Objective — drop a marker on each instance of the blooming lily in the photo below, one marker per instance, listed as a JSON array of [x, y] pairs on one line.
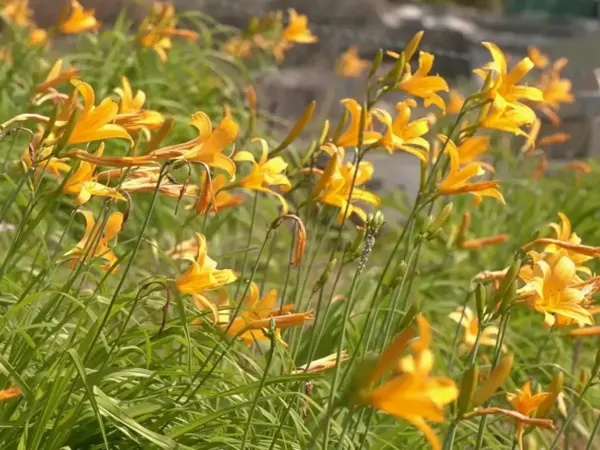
[[77, 20], [350, 137], [470, 323], [350, 64], [95, 241]]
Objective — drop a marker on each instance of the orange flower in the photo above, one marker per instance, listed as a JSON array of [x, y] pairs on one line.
[[95, 241], [203, 274], [37, 36], [413, 394], [265, 173], [421, 84], [457, 180], [94, 123], [402, 134], [526, 404], [555, 90], [131, 115], [470, 323], [82, 184], [455, 103], [350, 137], [78, 20], [297, 30], [255, 315], [55, 77], [539, 59], [11, 392], [214, 195], [207, 147], [157, 29], [350, 65], [17, 11], [334, 185]]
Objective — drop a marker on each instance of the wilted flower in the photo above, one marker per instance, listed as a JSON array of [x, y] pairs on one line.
[[215, 196], [55, 77], [11, 392], [95, 241], [322, 364], [77, 20]]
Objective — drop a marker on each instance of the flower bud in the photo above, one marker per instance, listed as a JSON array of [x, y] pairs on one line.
[[325, 275], [555, 388], [376, 63], [480, 301], [494, 380], [467, 389], [507, 291], [440, 219]]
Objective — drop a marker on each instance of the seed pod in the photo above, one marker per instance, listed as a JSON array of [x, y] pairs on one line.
[[467, 389]]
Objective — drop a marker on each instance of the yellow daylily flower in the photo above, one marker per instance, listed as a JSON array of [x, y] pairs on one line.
[[157, 29], [256, 313], [350, 64], [46, 163], [350, 137], [525, 403], [203, 274], [412, 394], [555, 90], [334, 185], [501, 117], [556, 291], [455, 103], [421, 84], [214, 196], [470, 149], [78, 20], [297, 30], [506, 84], [471, 325], [131, 115], [401, 134], [265, 173], [539, 59], [457, 180], [82, 184], [94, 122], [207, 147], [37, 36], [17, 12], [564, 233], [55, 77], [98, 240]]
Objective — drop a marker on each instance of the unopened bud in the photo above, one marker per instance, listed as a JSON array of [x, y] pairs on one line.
[[596, 366], [376, 63], [494, 380], [467, 389], [555, 388], [480, 301], [375, 221], [507, 290], [440, 219], [352, 248], [66, 132]]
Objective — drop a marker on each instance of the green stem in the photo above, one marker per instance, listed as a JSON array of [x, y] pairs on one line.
[[249, 242], [593, 435], [571, 415]]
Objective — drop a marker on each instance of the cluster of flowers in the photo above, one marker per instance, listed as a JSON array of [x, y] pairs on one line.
[[556, 282]]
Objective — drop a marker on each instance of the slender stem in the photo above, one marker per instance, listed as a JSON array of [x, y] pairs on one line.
[[571, 415], [249, 242], [258, 392], [593, 434]]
